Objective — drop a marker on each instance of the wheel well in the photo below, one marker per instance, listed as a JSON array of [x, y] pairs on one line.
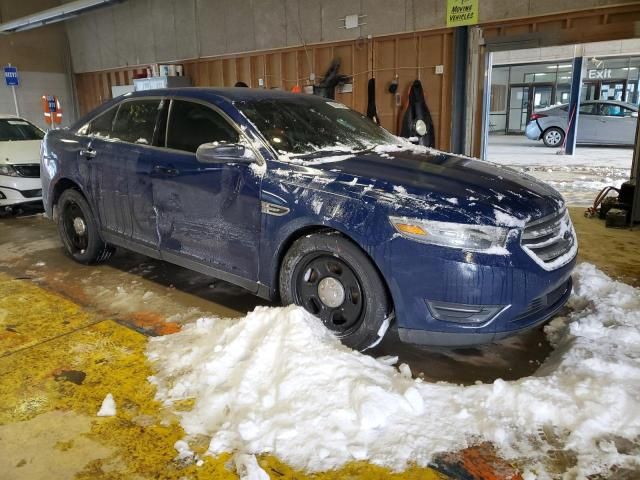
[[310, 230], [549, 128], [62, 185]]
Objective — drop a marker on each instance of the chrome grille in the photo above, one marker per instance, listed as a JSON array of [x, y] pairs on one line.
[[28, 170], [549, 238]]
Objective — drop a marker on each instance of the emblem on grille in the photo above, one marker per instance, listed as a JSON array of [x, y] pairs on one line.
[[273, 209]]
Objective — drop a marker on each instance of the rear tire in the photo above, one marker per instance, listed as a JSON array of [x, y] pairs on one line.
[[79, 230], [333, 279], [553, 137]]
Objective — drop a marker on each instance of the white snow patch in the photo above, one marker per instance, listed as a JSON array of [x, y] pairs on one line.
[[452, 200], [108, 407], [400, 189], [247, 467], [316, 205], [278, 382], [258, 169], [507, 220]]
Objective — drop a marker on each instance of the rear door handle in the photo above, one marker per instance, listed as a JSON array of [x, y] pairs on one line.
[[165, 171], [88, 153]]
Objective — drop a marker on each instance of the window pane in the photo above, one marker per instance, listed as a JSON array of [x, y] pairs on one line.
[[499, 81], [102, 125], [192, 124], [136, 121], [533, 73], [612, 110], [586, 109]]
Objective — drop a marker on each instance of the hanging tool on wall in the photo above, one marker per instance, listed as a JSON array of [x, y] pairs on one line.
[[327, 87], [393, 86], [416, 121], [372, 112]]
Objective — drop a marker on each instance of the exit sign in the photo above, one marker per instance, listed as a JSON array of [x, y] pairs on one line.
[[601, 74], [11, 76]]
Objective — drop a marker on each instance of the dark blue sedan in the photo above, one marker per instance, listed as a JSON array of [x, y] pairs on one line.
[[299, 197]]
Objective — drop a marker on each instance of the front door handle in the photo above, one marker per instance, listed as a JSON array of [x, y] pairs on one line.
[[165, 171], [88, 153]]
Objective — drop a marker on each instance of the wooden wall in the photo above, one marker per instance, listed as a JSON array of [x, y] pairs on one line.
[[410, 56], [592, 25]]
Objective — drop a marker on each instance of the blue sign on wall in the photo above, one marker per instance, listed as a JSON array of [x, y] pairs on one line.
[[11, 76]]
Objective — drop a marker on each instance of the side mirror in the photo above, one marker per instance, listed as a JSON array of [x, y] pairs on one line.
[[224, 153]]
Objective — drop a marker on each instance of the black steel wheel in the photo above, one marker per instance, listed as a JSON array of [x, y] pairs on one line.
[[333, 279], [327, 287], [75, 228], [79, 231]]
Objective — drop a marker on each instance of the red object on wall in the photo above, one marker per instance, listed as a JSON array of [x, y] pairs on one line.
[[51, 109]]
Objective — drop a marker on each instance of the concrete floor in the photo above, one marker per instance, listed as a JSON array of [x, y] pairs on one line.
[[69, 334]]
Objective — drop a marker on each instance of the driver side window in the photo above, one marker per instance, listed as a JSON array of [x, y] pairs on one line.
[[192, 124]]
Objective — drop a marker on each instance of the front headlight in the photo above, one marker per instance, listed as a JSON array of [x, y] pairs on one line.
[[8, 170], [476, 238]]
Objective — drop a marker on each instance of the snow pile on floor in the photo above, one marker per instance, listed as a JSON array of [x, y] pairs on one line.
[[277, 382], [108, 407]]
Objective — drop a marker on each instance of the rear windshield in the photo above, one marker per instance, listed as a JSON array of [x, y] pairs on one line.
[[15, 129]]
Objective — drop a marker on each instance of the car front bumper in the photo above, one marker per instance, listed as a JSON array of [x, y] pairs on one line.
[[533, 130], [512, 292], [19, 190]]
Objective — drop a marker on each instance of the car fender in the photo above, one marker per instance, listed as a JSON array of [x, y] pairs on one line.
[[310, 212]]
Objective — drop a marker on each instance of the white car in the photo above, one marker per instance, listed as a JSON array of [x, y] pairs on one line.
[[19, 163]]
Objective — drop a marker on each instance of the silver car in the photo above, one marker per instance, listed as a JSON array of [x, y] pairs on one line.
[[601, 122]]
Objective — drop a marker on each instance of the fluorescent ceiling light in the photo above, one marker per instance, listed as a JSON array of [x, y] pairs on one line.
[[53, 15]]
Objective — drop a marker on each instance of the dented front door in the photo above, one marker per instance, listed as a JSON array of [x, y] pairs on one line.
[[208, 212]]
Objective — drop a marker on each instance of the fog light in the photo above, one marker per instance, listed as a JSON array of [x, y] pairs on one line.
[[463, 313]]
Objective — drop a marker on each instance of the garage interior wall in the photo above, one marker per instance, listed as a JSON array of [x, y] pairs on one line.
[[411, 57], [42, 58], [283, 41]]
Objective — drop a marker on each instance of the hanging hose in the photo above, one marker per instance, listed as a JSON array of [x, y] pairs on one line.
[[593, 211]]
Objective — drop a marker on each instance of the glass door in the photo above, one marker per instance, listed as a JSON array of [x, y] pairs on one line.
[[518, 108]]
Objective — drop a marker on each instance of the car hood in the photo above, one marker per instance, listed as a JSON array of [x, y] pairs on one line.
[[20, 152], [415, 181]]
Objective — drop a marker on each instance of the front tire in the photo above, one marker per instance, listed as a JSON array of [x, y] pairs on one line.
[[79, 231], [553, 137], [333, 279]]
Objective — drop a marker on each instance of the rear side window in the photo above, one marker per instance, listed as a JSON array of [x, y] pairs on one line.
[[192, 124], [136, 121]]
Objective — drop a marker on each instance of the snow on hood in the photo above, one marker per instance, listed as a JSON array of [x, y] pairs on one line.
[[277, 382], [409, 178], [20, 152]]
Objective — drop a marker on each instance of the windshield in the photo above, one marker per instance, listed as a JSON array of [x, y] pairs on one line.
[[308, 124], [12, 129]]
